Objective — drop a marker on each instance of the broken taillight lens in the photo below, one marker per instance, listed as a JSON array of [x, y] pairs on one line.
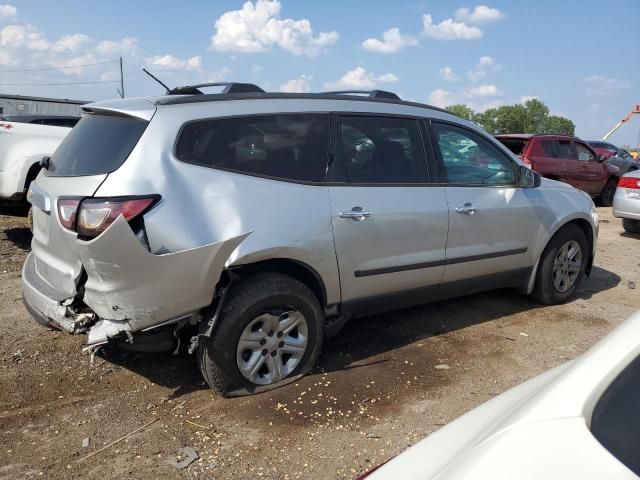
[[92, 216], [67, 208]]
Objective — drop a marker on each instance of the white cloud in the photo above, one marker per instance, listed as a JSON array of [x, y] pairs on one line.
[[441, 98], [7, 12], [14, 36], [169, 62], [6, 59], [447, 73], [601, 85], [123, 46], [256, 27], [71, 43], [449, 29], [526, 98], [360, 79], [392, 41], [302, 84], [217, 75], [490, 104], [483, 91], [485, 65], [480, 14]]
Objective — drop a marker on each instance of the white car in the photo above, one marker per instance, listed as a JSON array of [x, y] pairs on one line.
[[626, 202], [22, 146], [580, 420]]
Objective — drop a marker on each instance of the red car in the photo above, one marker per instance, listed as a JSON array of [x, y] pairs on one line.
[[567, 159]]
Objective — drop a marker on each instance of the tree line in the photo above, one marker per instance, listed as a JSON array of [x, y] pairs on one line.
[[530, 117]]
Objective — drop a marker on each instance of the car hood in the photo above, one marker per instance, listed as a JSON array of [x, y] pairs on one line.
[[539, 429]]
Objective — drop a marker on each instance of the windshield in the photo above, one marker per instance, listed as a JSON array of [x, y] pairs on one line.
[[98, 144], [616, 419]]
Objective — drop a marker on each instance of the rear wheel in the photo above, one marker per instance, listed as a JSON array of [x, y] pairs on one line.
[[631, 226], [561, 266], [606, 195], [270, 333]]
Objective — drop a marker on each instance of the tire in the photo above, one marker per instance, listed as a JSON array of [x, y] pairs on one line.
[[630, 225], [545, 290], [608, 191], [264, 303]]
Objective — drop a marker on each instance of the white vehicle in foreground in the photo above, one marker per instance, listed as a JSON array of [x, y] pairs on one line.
[[580, 420], [22, 146], [626, 201]]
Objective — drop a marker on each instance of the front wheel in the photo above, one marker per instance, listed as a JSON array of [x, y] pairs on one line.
[[561, 266], [270, 333], [630, 225], [608, 191]]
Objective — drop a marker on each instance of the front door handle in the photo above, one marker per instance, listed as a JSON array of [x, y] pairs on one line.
[[467, 209], [356, 213]]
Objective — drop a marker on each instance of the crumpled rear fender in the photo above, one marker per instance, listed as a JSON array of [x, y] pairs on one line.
[[138, 289]]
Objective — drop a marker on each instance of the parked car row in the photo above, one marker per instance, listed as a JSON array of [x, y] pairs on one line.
[[573, 161], [257, 223]]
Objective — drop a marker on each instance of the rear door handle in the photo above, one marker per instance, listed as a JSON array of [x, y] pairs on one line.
[[356, 213], [467, 209]]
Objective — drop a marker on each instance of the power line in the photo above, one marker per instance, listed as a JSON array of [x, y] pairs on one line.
[[59, 68], [53, 84]]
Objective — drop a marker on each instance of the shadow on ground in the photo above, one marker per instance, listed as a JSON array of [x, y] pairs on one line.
[[20, 237], [363, 338]]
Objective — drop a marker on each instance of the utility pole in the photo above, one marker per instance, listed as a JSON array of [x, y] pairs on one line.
[[121, 80]]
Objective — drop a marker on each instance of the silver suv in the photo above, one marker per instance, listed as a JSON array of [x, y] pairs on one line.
[[257, 223]]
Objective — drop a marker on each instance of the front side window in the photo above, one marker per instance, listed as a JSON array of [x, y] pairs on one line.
[[584, 154], [469, 159], [382, 150], [292, 147]]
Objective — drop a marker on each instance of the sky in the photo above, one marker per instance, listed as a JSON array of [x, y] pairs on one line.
[[581, 58]]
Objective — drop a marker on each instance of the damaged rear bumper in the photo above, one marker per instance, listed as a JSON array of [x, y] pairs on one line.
[[127, 288]]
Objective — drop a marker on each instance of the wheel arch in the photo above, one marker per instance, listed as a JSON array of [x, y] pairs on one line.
[[586, 228], [287, 266], [31, 175]]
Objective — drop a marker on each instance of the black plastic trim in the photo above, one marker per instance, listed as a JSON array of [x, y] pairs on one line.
[[438, 263]]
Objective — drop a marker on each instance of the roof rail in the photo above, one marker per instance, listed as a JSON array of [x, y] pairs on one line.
[[369, 93], [230, 87]]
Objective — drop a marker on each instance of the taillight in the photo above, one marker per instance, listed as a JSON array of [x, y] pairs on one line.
[[629, 182], [67, 208], [92, 216]]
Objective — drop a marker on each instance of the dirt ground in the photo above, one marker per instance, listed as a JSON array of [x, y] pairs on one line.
[[375, 392]]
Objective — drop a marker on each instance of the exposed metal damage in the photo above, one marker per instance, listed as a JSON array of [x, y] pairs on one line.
[[122, 293]]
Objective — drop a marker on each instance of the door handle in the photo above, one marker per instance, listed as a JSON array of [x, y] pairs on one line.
[[356, 213], [467, 209]]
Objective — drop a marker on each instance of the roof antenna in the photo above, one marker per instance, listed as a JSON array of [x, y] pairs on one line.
[[156, 79]]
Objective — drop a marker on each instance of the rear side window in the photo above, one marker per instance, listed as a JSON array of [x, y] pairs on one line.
[[564, 149], [98, 144], [382, 150], [547, 147], [292, 147]]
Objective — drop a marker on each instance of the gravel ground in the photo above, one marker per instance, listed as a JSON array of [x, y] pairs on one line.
[[386, 382]]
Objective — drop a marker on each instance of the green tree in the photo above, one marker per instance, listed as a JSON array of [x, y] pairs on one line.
[[556, 125], [536, 114], [463, 111], [530, 117]]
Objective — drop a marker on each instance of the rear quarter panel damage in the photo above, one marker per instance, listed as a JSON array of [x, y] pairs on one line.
[[127, 283]]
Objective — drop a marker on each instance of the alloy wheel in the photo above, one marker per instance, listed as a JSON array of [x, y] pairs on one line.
[[567, 266], [272, 345]]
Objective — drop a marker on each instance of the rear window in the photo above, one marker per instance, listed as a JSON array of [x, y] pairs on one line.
[[616, 419], [517, 146], [291, 147], [98, 144]]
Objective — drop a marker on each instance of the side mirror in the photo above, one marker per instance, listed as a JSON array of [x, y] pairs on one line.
[[44, 162], [529, 178], [602, 158]]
